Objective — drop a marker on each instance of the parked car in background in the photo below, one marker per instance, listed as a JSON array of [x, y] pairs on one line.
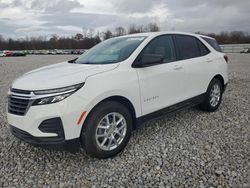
[[52, 52], [245, 51], [58, 51], [78, 52], [7, 53], [18, 53], [99, 98], [2, 54], [65, 52]]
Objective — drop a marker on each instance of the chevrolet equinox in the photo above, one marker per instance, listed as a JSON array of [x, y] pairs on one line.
[[97, 99]]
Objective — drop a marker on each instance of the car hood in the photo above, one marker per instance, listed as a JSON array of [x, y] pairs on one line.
[[59, 75]]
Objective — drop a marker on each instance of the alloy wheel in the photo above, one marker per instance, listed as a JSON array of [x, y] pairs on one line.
[[215, 95], [111, 131]]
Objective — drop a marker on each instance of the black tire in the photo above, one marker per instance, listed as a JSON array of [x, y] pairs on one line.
[[88, 135], [206, 105]]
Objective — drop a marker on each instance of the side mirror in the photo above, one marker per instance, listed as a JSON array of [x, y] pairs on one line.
[[149, 60]]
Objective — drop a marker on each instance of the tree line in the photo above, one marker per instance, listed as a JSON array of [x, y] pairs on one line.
[[234, 37], [89, 38], [84, 40]]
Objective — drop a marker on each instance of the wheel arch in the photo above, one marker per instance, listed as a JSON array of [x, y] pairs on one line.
[[122, 100], [221, 79]]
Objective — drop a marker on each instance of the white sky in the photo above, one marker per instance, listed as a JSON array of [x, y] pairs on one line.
[[20, 18]]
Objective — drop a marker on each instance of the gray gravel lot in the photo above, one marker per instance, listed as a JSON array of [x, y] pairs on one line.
[[188, 149]]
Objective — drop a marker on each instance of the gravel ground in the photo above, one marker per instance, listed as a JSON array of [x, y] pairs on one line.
[[189, 149]]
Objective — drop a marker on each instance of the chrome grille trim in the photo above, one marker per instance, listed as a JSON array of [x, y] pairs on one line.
[[19, 103], [20, 91]]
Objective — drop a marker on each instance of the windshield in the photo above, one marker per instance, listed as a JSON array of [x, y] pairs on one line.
[[111, 51]]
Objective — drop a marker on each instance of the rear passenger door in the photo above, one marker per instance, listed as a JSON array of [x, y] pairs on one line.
[[193, 56]]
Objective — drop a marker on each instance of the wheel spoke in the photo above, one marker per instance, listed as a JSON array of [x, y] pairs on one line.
[[115, 141], [119, 134], [122, 127], [114, 118], [104, 141], [109, 144], [217, 99], [119, 121], [101, 135], [107, 119], [212, 100], [102, 127]]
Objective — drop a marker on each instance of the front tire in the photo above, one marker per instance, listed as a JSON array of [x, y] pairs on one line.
[[213, 96], [107, 129]]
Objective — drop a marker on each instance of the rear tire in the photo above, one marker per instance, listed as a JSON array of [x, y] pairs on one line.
[[107, 129], [213, 96]]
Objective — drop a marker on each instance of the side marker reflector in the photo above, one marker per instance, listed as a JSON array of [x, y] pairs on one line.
[[80, 118]]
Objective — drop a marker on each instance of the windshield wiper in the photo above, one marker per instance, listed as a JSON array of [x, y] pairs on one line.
[[86, 63], [96, 63], [73, 60]]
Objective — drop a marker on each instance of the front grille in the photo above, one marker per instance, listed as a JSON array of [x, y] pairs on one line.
[[18, 106], [19, 102]]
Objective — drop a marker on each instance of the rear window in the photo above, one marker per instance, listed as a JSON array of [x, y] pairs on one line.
[[203, 49], [213, 43]]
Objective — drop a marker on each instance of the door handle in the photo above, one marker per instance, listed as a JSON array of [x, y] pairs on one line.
[[177, 67], [209, 60]]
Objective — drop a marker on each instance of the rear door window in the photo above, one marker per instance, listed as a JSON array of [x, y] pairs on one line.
[[187, 47]]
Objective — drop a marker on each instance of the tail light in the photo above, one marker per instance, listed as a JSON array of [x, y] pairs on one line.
[[226, 58]]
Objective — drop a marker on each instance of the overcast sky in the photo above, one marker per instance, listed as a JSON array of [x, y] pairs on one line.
[[20, 18]]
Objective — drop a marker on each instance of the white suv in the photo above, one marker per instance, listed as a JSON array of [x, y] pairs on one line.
[[99, 98]]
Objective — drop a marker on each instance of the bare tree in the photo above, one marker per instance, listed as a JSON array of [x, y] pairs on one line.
[[79, 36], [90, 33], [120, 31], [136, 29], [107, 34], [132, 29], [54, 37], [153, 27]]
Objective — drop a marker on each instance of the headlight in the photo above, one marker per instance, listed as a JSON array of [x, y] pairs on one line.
[[59, 90], [55, 95], [50, 100]]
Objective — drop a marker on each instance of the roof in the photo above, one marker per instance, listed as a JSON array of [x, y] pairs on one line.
[[153, 34]]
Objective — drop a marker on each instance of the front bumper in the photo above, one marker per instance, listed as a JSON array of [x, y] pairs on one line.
[[58, 142], [68, 110], [38, 125]]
